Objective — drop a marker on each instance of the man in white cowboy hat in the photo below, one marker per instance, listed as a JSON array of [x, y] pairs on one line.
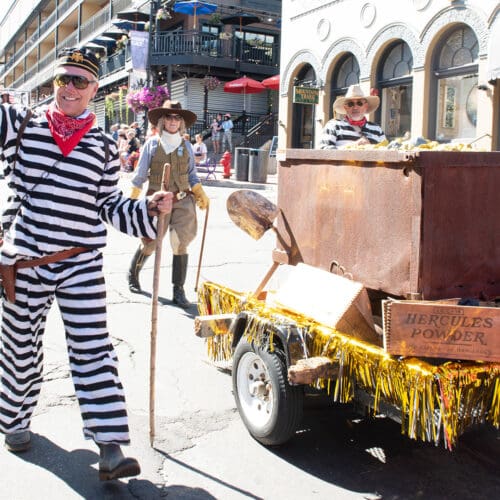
[[169, 146], [353, 128]]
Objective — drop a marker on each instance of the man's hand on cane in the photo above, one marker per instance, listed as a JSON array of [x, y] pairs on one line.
[[160, 202]]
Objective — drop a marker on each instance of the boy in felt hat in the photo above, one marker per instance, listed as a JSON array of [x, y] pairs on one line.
[[63, 193], [353, 128], [169, 146]]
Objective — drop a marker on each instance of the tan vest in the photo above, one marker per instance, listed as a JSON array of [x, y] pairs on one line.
[[179, 177]]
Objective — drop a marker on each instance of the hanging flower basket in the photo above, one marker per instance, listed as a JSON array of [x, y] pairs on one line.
[[162, 14], [109, 106], [211, 82], [122, 43], [141, 100]]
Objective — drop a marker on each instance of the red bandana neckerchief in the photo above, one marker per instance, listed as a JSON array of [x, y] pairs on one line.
[[66, 130], [357, 123]]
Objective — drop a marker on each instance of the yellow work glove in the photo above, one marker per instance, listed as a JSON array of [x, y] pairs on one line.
[[135, 192], [201, 198]]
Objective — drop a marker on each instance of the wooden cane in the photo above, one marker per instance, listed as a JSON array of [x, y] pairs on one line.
[[201, 249], [154, 307]]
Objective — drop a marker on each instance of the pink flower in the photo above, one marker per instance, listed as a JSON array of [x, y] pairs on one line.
[[146, 98]]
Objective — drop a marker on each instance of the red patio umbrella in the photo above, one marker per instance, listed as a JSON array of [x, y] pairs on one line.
[[273, 82], [244, 85]]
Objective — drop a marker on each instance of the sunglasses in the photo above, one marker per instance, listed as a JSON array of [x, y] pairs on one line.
[[351, 104], [177, 118], [79, 82]]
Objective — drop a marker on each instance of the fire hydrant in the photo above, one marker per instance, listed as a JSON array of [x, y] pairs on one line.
[[226, 163]]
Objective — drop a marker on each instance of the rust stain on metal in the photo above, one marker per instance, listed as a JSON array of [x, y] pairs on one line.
[[421, 223]]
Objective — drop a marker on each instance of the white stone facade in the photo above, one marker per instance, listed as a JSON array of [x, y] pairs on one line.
[[319, 34]]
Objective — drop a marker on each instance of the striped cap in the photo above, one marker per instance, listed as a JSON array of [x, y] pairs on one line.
[[80, 58]]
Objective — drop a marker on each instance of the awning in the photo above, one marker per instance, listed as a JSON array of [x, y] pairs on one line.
[[494, 56]]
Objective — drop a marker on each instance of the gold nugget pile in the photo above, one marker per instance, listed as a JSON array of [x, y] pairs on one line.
[[406, 143]]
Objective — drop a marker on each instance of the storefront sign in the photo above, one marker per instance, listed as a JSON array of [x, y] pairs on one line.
[[305, 95]]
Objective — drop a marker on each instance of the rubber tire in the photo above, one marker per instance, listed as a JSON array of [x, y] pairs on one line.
[[287, 400]]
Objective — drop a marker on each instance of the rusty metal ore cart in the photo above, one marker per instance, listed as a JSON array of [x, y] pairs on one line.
[[419, 225]]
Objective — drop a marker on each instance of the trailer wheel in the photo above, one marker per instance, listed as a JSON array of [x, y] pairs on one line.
[[269, 406]]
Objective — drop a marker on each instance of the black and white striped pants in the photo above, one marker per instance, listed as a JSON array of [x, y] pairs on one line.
[[78, 286]]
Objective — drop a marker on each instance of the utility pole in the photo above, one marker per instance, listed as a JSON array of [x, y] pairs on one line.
[[154, 6]]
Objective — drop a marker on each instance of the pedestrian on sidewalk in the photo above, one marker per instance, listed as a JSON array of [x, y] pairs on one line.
[[169, 146], [200, 151], [227, 128], [215, 129], [63, 178]]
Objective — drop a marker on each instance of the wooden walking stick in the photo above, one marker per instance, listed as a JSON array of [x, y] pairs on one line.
[[154, 307], [201, 249]]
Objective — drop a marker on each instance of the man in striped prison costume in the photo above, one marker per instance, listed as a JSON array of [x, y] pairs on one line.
[[63, 189], [353, 128]]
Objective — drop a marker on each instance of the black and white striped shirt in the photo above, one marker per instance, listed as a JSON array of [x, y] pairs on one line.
[[338, 133], [58, 202]]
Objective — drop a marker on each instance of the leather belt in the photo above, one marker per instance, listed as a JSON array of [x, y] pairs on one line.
[[49, 259]]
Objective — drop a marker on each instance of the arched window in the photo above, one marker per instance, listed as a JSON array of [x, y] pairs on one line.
[[395, 81], [346, 74], [455, 89], [303, 114]]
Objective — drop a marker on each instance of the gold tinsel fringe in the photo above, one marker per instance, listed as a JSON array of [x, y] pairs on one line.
[[437, 401]]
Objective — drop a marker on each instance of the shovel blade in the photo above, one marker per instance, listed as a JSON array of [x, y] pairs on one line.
[[251, 212]]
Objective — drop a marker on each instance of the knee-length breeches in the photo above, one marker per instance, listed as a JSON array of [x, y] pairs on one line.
[[182, 225], [78, 286]]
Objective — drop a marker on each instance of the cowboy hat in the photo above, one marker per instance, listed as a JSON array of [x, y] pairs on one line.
[[355, 92], [171, 108]]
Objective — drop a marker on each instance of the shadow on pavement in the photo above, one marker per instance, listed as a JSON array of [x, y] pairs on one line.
[[191, 311], [235, 489], [78, 470], [372, 457]]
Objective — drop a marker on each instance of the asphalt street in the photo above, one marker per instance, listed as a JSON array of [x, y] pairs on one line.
[[201, 449]]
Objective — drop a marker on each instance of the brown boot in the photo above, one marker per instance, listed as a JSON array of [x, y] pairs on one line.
[[135, 268], [114, 465], [179, 271], [18, 441]]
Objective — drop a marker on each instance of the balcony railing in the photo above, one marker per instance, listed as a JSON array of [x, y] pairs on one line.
[[40, 32], [194, 43], [189, 43], [115, 62], [101, 19]]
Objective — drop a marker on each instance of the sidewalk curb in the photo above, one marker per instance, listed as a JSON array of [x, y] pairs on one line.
[[232, 182]]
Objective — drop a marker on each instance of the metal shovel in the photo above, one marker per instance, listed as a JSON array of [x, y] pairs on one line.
[[254, 214], [251, 212]]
